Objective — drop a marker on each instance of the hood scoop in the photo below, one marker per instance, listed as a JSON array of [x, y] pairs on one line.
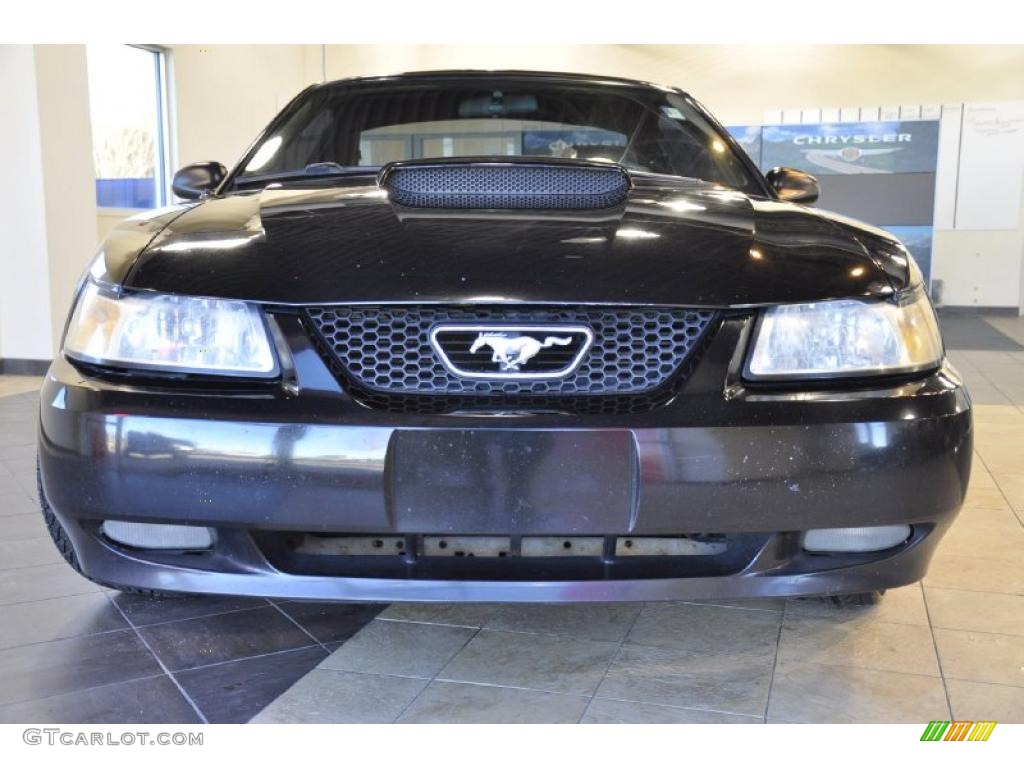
[[549, 184]]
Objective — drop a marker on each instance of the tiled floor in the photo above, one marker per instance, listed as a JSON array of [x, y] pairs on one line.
[[941, 651], [952, 647], [73, 652]]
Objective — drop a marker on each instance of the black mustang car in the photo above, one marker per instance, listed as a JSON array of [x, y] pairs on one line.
[[501, 336]]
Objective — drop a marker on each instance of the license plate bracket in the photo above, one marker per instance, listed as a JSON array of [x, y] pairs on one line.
[[513, 482]]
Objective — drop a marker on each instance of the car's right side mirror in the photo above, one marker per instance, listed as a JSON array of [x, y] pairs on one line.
[[194, 181], [793, 185]]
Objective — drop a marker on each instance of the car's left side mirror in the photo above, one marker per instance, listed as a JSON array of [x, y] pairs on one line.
[[194, 181], [794, 186]]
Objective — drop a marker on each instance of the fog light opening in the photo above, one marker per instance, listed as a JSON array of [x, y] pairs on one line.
[[868, 539], [157, 535]]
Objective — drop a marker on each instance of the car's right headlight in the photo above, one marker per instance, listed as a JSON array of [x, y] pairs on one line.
[[170, 333], [846, 338]]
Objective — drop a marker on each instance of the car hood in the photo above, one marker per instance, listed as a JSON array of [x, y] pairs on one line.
[[672, 242]]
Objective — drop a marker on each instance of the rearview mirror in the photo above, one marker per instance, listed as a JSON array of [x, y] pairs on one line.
[[498, 105], [793, 186], [194, 181]]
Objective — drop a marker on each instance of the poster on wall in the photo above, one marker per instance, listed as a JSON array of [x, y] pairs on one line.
[[853, 148]]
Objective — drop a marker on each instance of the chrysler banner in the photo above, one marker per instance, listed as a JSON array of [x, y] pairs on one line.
[[845, 148]]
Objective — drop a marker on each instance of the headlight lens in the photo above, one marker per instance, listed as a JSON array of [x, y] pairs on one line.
[[171, 333], [847, 338]]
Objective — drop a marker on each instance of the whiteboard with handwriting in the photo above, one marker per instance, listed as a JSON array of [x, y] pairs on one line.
[[991, 174]]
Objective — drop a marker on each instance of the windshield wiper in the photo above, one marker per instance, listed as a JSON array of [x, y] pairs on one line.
[[310, 172]]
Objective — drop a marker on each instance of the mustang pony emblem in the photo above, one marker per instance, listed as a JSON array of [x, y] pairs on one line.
[[513, 352], [461, 348]]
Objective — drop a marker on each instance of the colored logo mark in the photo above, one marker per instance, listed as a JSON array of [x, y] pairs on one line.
[[958, 730]]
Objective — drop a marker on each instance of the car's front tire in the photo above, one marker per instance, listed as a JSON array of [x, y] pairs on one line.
[[857, 599]]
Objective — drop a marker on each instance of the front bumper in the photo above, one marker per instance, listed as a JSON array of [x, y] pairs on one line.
[[754, 468]]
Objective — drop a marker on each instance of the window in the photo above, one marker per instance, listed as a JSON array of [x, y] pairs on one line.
[[127, 104], [338, 129]]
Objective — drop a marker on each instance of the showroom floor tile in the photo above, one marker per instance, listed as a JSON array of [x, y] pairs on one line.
[[234, 691], [334, 696], [400, 648], [815, 693], [953, 648], [541, 662], [731, 682], [610, 711], [985, 701], [146, 700], [448, 702], [224, 637]]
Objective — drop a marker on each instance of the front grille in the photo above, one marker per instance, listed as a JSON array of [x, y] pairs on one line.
[[384, 356], [512, 186]]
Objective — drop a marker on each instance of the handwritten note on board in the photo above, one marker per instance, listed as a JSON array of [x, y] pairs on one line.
[[991, 176]]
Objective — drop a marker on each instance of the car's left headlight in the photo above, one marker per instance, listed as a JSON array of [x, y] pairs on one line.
[[166, 332], [846, 338]]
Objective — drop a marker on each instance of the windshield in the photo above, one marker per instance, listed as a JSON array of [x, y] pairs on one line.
[[339, 129]]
